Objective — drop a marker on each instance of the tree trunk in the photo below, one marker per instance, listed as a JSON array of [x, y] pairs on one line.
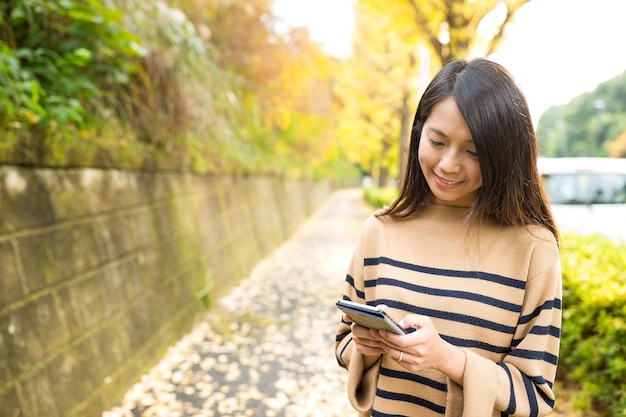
[[405, 132]]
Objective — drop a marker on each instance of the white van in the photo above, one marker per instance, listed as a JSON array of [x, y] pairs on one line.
[[587, 195]]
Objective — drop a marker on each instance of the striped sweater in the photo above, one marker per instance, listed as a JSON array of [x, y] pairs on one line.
[[493, 291]]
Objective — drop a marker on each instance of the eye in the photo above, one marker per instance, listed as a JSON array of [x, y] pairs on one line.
[[473, 154], [435, 142]]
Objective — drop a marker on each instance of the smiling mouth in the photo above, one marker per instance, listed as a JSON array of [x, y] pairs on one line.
[[446, 182]]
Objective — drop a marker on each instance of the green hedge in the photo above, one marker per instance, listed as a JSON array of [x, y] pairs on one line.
[[593, 342], [379, 197]]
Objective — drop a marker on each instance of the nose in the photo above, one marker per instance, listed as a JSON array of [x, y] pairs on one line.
[[450, 162]]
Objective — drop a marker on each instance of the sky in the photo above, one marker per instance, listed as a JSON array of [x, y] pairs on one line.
[[555, 49]]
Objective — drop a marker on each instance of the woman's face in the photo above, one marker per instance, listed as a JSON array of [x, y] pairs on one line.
[[448, 157]]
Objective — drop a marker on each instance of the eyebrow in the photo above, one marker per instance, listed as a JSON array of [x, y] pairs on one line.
[[437, 131], [441, 133]]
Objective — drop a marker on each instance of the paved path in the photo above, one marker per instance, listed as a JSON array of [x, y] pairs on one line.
[[267, 349]]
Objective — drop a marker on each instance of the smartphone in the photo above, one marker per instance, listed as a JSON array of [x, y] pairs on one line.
[[370, 317]]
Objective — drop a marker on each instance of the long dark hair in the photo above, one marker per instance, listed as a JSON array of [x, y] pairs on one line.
[[497, 114]]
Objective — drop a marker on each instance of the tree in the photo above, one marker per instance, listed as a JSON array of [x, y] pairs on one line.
[[617, 148], [285, 82], [449, 29], [452, 28], [591, 124], [461, 19], [380, 87]]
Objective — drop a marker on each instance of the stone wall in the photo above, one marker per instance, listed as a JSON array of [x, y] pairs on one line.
[[102, 270]]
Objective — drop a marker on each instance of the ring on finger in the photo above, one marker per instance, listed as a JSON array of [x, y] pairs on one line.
[[400, 358]]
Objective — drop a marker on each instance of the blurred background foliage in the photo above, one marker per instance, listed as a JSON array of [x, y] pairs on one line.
[[592, 124], [592, 363], [207, 86], [221, 86]]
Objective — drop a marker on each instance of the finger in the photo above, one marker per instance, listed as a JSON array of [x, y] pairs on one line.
[[367, 340], [397, 355], [368, 350], [416, 321], [360, 331]]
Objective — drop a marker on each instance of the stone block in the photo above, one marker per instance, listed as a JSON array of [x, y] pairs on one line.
[[10, 280], [55, 254], [115, 189], [68, 311], [10, 403], [75, 373], [64, 188], [146, 233], [120, 284], [114, 343], [87, 300], [148, 267], [33, 331], [37, 397], [8, 364], [25, 201]]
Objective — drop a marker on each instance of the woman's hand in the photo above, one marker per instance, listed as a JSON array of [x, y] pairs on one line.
[[422, 349], [367, 342]]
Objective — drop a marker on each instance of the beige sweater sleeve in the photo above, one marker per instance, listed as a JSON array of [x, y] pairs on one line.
[[362, 383], [477, 396]]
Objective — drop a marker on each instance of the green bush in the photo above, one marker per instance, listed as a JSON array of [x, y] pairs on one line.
[[56, 60], [593, 343], [380, 197]]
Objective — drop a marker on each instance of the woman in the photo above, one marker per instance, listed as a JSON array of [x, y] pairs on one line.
[[467, 256]]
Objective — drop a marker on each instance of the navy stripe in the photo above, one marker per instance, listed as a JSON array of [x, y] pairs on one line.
[[544, 396], [345, 322], [540, 330], [494, 302], [340, 337], [342, 351], [341, 363], [532, 398], [359, 293], [469, 343], [544, 330], [547, 305], [418, 379], [540, 380], [396, 396], [530, 384], [379, 414], [499, 279], [350, 280], [455, 317], [512, 404], [535, 355]]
